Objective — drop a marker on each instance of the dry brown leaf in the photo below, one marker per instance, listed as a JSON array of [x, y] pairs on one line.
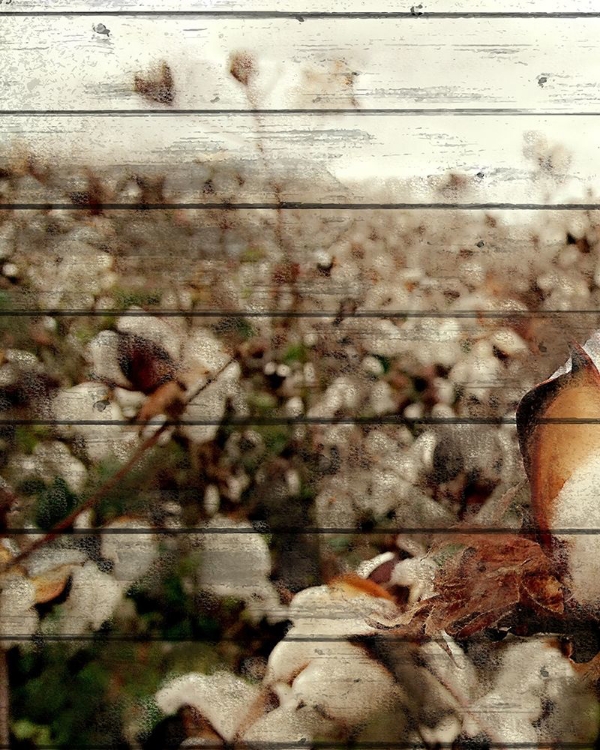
[[157, 85], [243, 67], [167, 399], [51, 584]]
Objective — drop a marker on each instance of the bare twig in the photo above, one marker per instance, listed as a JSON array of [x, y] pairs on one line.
[[112, 482]]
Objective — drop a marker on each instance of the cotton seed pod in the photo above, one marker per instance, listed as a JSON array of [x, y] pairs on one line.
[[558, 424], [566, 439], [144, 363]]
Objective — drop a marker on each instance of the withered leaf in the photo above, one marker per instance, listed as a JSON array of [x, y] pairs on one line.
[[157, 85], [166, 399], [243, 67]]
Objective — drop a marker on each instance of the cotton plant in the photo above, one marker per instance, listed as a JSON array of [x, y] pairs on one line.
[[235, 562], [165, 360], [406, 635], [336, 676], [79, 594]]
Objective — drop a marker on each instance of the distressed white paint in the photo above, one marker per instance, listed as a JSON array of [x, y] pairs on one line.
[[471, 63], [531, 159], [334, 6]]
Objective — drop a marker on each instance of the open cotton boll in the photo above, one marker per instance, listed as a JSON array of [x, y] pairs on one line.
[[201, 349], [336, 610], [239, 565], [164, 332], [209, 405], [46, 462], [46, 559], [451, 666], [289, 724], [103, 356], [514, 710], [92, 600], [295, 653], [576, 508], [346, 684], [80, 404], [222, 698], [18, 619], [131, 554]]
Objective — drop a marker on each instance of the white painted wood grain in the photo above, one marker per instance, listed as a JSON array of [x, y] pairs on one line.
[[529, 159], [61, 63], [334, 6]]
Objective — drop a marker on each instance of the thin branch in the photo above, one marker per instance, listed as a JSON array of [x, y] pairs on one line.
[[112, 482]]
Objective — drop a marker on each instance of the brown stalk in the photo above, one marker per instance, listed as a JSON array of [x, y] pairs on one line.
[[113, 481]]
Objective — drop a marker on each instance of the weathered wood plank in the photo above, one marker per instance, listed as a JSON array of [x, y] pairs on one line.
[[275, 6], [429, 64], [531, 159]]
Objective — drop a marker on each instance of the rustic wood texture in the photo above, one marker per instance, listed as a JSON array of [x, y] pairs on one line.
[[354, 159], [471, 64], [580, 7], [467, 131]]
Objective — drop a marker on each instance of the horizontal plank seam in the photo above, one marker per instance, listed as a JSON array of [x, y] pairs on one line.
[[300, 206], [355, 315], [303, 16], [104, 639], [390, 111], [341, 745], [391, 419], [263, 528]]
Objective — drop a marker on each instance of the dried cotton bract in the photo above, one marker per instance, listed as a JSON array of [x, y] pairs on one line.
[[559, 435]]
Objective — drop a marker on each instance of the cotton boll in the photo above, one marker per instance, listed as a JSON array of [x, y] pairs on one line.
[[17, 616], [48, 558], [334, 505], [509, 342], [577, 507], [70, 276], [514, 709], [92, 600], [164, 332], [289, 724], [369, 566], [203, 350], [80, 404], [346, 684], [221, 698], [451, 666], [387, 490], [132, 555], [209, 405], [417, 574], [239, 565], [103, 355], [342, 394], [382, 399], [47, 461], [333, 610]]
